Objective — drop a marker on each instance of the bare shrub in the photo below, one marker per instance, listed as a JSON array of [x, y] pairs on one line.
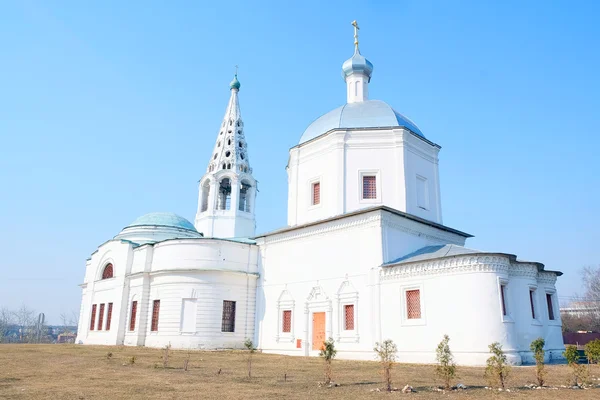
[[579, 372], [250, 347], [446, 368], [386, 353], [132, 360], [166, 353], [497, 368]]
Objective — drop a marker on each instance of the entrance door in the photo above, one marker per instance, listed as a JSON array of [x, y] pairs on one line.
[[318, 336]]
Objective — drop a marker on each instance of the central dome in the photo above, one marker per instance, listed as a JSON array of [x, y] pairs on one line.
[[364, 114], [167, 219]]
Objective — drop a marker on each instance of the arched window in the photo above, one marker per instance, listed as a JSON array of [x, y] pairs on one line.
[[245, 197], [108, 271], [224, 202], [205, 193]]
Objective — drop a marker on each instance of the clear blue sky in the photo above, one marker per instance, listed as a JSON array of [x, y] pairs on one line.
[[110, 110]]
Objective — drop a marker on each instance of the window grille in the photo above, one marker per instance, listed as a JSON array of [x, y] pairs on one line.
[[155, 312], [316, 193], [108, 271], [413, 304], [224, 200], [287, 321], [369, 187], [502, 296], [133, 315], [550, 308], [349, 317], [108, 316], [93, 319], [228, 320], [531, 294], [101, 317]]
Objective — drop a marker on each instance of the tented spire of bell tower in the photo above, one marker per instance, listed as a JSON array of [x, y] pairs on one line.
[[227, 189]]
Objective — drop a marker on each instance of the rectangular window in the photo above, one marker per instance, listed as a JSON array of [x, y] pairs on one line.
[[287, 321], [422, 193], [228, 320], [349, 317], [413, 304], [502, 297], [188, 315], [316, 193], [100, 316], [133, 315], [93, 320], [155, 312], [550, 308], [369, 187], [531, 297], [108, 316]]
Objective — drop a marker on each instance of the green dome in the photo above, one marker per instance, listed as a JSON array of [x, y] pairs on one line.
[[235, 84]]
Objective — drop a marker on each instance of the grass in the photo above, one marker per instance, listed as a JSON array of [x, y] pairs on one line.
[[85, 372]]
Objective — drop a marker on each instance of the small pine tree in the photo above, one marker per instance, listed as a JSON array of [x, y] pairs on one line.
[[497, 368], [446, 368], [537, 347], [328, 353], [386, 352], [250, 347]]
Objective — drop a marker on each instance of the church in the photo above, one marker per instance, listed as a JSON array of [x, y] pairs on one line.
[[364, 256]]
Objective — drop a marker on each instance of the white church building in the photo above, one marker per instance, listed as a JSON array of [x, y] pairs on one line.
[[364, 257]]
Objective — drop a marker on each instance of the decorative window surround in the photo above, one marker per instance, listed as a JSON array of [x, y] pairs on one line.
[[347, 295], [377, 174], [505, 302], [553, 303], [533, 297], [285, 302], [413, 321], [317, 301]]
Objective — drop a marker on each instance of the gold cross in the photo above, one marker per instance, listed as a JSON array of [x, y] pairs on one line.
[[356, 28]]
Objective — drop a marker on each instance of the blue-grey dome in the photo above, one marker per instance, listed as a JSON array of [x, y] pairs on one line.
[[357, 63], [364, 114], [168, 219]]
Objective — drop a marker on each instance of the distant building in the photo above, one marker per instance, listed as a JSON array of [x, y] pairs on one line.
[[365, 255], [581, 309]]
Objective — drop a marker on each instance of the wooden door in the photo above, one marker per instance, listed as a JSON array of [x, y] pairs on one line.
[[318, 336]]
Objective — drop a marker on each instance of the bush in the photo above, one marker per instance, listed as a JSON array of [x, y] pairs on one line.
[[579, 371], [328, 353], [386, 352], [497, 369], [537, 347], [446, 368], [592, 351], [166, 352]]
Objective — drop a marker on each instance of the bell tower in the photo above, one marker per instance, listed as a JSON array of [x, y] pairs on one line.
[[227, 190]]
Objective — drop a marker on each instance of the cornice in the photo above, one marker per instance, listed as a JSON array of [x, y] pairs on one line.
[[365, 221], [402, 224]]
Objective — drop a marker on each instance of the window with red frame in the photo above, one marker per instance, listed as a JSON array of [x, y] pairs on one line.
[[369, 187], [101, 317], [108, 316], [228, 318], [155, 311], [349, 317], [287, 321], [107, 272], [93, 320], [413, 304], [531, 294], [133, 315], [316, 193]]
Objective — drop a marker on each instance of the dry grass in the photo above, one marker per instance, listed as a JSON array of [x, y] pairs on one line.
[[85, 372]]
